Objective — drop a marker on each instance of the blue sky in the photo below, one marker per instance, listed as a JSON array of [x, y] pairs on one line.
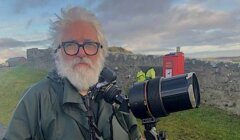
[[206, 28]]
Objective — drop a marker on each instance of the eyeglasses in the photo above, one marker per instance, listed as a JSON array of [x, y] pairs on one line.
[[72, 47]]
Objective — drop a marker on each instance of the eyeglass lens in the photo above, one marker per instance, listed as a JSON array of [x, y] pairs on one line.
[[90, 48]]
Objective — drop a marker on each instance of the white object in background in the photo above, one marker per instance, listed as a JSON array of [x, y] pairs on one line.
[[168, 73]]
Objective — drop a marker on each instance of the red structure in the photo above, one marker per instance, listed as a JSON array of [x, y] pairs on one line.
[[173, 64]]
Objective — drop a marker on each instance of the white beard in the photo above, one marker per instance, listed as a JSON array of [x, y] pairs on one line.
[[80, 77]]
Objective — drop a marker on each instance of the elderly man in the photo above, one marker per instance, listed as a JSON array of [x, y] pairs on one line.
[[55, 108]]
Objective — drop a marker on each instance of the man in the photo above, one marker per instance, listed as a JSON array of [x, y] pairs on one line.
[[150, 74], [58, 106], [141, 76]]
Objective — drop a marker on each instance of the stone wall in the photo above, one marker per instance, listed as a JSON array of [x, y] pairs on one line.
[[219, 82], [14, 61], [40, 58]]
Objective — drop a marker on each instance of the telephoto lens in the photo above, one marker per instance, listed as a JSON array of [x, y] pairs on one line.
[[160, 96]]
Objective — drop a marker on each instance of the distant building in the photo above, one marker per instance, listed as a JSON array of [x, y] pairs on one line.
[[14, 61], [4, 65]]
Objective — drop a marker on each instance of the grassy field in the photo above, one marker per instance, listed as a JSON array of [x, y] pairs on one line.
[[13, 82], [204, 123]]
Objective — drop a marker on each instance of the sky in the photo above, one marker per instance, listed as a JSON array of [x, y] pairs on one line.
[[202, 28]]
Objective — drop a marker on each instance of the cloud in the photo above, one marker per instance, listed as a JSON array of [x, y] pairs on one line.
[[20, 6], [150, 26], [8, 53], [13, 43], [130, 17], [153, 26], [10, 47], [225, 53], [10, 43]]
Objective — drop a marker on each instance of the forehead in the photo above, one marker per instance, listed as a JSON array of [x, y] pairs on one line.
[[80, 31]]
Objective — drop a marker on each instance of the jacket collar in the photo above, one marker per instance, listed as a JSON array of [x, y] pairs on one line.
[[71, 95]]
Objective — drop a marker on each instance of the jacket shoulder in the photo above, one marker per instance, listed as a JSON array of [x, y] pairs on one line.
[[42, 90], [34, 106], [40, 87]]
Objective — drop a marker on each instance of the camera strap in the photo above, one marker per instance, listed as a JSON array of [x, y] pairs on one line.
[[89, 103]]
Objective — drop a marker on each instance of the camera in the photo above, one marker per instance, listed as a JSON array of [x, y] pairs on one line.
[[155, 97], [152, 99], [160, 96]]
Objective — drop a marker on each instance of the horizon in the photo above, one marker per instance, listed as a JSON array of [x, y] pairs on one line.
[[201, 28], [193, 56]]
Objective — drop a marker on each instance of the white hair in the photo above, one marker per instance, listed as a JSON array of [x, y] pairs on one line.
[[71, 15], [82, 78]]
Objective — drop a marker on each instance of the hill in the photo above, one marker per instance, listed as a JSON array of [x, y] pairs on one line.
[[235, 59], [204, 123], [119, 50]]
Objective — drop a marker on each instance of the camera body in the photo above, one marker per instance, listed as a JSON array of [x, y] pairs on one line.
[[152, 99]]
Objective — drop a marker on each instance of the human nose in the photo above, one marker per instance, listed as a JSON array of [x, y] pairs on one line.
[[81, 52]]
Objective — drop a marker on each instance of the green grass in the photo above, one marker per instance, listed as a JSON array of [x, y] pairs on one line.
[[204, 123], [13, 82]]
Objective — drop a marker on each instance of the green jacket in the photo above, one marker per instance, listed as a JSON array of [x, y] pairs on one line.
[[150, 74], [52, 109], [141, 76]]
